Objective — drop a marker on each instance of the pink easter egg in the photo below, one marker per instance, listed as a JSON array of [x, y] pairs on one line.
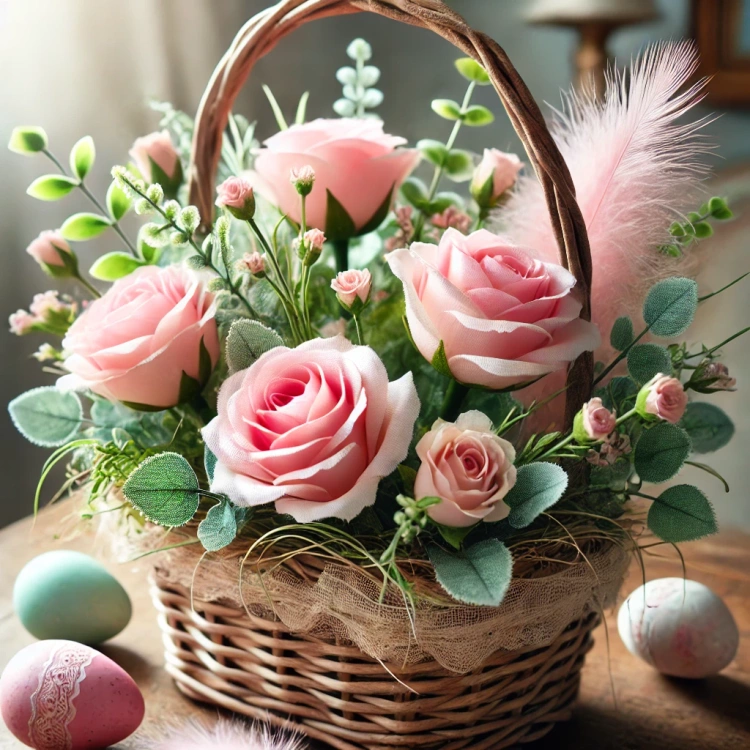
[[680, 627], [61, 695]]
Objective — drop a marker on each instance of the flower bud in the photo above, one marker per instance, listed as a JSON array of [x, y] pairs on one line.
[[711, 377], [663, 397], [53, 254], [47, 353], [303, 179], [143, 207], [190, 218], [155, 193], [255, 263], [171, 210], [496, 173], [593, 423], [157, 160], [353, 289], [311, 246], [236, 195], [21, 322]]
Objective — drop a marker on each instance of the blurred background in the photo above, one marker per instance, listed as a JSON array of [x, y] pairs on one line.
[[88, 67]]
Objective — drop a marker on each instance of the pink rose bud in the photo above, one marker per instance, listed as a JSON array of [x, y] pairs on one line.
[[315, 239], [496, 173], [46, 249], [237, 196], [713, 376], [157, 148], [303, 179], [594, 422], [21, 322], [663, 397], [353, 289], [468, 467], [255, 263]]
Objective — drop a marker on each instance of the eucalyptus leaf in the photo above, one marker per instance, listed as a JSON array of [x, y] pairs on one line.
[[113, 266], [538, 487], [46, 416], [681, 514], [621, 336], [84, 226], [477, 116], [447, 109], [661, 452], [247, 341], [51, 187], [209, 461], [219, 528], [471, 70], [647, 360], [414, 191], [82, 157], [670, 306], [459, 165], [165, 489], [707, 425], [434, 151]]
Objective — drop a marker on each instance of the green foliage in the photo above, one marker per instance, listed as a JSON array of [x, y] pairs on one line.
[[661, 452], [118, 203], [145, 428], [454, 536], [670, 306], [477, 116], [82, 157], [647, 360], [84, 226], [478, 575], [339, 225], [538, 487], [621, 336], [696, 227], [46, 416], [440, 361], [247, 341], [446, 108], [27, 140], [219, 528], [471, 70], [708, 426], [51, 187], [459, 165], [165, 489], [617, 393], [434, 151], [681, 514], [113, 266], [358, 94]]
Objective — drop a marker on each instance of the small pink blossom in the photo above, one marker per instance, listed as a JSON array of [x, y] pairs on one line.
[[606, 454], [597, 421], [502, 168], [454, 218], [156, 147], [21, 322], [44, 249], [303, 179], [663, 397], [314, 239], [405, 229], [254, 262], [351, 286], [49, 302], [236, 195]]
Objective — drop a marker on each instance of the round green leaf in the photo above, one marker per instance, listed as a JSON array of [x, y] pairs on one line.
[[219, 527], [433, 150], [113, 266], [538, 487], [84, 226], [622, 333], [661, 452], [415, 192], [681, 514], [477, 116], [670, 306], [27, 140], [82, 157], [46, 416], [707, 425], [118, 203], [51, 187], [459, 165], [447, 109], [647, 360], [471, 70]]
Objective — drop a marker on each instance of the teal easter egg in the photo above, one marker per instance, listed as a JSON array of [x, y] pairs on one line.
[[68, 595]]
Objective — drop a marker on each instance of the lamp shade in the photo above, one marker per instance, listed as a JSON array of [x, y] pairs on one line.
[[582, 11]]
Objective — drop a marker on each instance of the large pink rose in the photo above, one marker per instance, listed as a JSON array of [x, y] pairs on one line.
[[134, 343], [313, 429], [352, 158], [468, 467], [504, 318]]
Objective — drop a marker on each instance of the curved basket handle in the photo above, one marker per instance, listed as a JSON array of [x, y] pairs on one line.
[[261, 34]]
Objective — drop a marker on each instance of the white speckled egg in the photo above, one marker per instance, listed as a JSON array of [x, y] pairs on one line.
[[61, 695], [69, 595], [680, 627]]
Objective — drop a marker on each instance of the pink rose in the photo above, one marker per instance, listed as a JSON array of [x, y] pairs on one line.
[[352, 285], [353, 159], [136, 342], [663, 397], [236, 194], [499, 167], [469, 467], [44, 249], [313, 429], [156, 147], [596, 420], [314, 239], [503, 317], [255, 263]]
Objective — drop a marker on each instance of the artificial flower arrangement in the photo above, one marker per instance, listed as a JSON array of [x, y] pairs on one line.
[[355, 364]]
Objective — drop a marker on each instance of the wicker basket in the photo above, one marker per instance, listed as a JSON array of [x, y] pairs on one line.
[[224, 654]]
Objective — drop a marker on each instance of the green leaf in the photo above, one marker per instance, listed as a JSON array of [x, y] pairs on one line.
[[339, 225], [46, 416], [538, 487], [27, 140], [477, 116], [165, 489], [670, 306], [459, 165], [205, 365], [379, 216], [408, 477], [415, 192], [647, 360], [247, 341], [113, 266], [446, 108], [479, 575], [661, 452], [621, 336], [471, 70], [707, 425], [703, 230], [145, 428], [219, 527], [51, 187], [82, 157], [434, 151], [440, 361], [299, 117], [118, 202], [454, 536], [209, 461], [277, 113], [681, 514], [84, 226]]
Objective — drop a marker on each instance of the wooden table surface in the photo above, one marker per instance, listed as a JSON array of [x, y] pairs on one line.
[[650, 711]]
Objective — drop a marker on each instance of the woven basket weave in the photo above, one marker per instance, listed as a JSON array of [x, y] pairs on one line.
[[221, 653]]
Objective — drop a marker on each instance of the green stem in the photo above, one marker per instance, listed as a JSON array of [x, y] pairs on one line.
[[359, 331], [274, 261], [616, 361], [341, 253], [453, 400], [93, 290], [718, 346]]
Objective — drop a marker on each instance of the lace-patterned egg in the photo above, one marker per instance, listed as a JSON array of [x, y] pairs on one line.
[[61, 695], [680, 627]]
